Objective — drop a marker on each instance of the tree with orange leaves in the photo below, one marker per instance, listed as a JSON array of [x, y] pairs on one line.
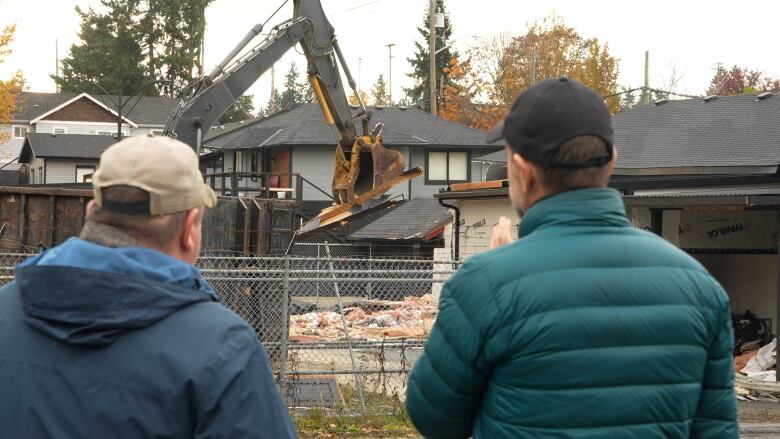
[[461, 93], [9, 89]]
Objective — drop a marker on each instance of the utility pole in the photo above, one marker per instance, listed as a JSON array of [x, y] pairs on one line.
[[57, 64], [533, 66], [646, 88], [432, 52], [390, 75], [272, 103]]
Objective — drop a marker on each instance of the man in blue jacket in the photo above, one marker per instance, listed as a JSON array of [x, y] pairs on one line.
[[585, 327], [116, 335]]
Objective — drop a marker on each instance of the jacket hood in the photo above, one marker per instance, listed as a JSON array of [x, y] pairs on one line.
[[598, 207], [87, 294]]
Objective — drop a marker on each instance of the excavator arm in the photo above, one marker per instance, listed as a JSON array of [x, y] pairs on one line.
[[364, 169]]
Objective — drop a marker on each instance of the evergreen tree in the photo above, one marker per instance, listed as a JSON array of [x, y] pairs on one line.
[[273, 103], [420, 92], [241, 109], [135, 42], [294, 93], [379, 92], [109, 56]]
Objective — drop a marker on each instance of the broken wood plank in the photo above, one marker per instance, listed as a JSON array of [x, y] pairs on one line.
[[492, 184]]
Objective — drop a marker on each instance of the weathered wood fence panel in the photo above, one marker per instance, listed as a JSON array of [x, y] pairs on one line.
[[31, 216]]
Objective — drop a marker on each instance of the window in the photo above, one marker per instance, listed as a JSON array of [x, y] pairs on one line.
[[447, 166], [84, 174], [157, 132], [105, 133], [59, 130], [20, 132], [40, 175], [32, 176]]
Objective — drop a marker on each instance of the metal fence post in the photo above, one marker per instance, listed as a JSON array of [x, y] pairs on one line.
[[286, 320], [358, 383]]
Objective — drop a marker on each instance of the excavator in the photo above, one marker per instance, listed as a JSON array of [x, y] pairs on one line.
[[364, 168]]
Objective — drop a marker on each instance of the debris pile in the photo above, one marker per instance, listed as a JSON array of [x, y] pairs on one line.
[[411, 318]]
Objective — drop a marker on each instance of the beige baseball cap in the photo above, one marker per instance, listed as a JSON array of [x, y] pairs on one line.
[[163, 166]]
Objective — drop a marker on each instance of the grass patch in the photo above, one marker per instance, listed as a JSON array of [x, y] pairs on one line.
[[385, 417]]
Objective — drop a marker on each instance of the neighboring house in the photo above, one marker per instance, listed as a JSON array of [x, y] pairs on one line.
[[299, 141], [78, 114], [702, 173], [62, 158]]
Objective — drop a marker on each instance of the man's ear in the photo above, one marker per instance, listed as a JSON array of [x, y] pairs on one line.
[[612, 163], [91, 206], [528, 173], [187, 238]]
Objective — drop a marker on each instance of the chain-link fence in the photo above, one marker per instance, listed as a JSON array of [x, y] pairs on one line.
[[340, 331]]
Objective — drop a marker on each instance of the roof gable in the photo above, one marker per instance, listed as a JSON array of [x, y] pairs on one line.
[[149, 110], [82, 108]]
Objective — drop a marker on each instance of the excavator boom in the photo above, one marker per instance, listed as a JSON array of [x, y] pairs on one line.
[[364, 169]]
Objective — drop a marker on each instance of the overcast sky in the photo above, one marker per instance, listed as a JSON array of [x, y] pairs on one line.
[[688, 35]]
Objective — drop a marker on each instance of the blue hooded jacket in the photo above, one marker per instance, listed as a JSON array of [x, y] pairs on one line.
[[128, 342]]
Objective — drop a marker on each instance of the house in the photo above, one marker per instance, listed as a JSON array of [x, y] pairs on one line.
[[300, 142], [62, 158], [68, 114], [702, 173]]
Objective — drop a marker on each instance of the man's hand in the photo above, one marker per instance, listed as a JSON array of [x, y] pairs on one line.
[[502, 233]]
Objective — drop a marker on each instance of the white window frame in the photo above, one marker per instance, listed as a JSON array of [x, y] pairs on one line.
[[89, 168], [26, 130], [105, 133], [64, 130], [32, 176], [157, 132]]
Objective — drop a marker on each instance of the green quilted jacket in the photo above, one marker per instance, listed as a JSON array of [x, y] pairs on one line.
[[584, 327]]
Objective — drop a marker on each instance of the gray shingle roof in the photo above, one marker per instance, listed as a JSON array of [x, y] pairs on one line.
[[64, 146], [726, 132], [305, 125], [411, 220], [150, 110]]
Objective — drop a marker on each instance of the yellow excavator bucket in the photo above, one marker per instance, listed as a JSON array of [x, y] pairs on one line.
[[364, 169]]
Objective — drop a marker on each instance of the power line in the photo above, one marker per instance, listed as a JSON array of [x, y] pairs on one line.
[[355, 7]]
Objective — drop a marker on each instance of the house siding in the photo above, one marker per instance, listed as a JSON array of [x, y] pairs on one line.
[[10, 149], [85, 128], [36, 164], [316, 165], [83, 109], [64, 171]]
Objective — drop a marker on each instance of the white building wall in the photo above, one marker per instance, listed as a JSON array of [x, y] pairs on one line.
[[64, 171], [477, 218], [89, 128], [37, 165]]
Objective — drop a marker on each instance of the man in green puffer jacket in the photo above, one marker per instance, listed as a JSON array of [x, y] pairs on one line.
[[585, 327]]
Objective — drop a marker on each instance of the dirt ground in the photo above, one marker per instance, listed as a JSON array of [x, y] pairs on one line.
[[759, 412]]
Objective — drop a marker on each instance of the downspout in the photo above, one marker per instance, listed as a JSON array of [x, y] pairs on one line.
[[455, 228]]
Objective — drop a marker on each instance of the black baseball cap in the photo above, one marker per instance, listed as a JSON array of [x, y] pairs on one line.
[[550, 113]]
